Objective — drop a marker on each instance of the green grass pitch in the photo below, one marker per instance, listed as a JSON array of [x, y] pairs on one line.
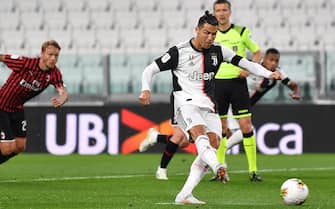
[[42, 181]]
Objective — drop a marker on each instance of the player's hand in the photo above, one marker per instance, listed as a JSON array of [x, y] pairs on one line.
[[144, 97], [295, 94], [61, 99], [275, 75], [57, 102], [243, 73]]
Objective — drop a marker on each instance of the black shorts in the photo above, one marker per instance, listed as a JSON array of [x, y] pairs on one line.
[[12, 124], [234, 92]]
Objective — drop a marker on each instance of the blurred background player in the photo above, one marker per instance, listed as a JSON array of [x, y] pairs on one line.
[[259, 86], [29, 77], [172, 142], [231, 85]]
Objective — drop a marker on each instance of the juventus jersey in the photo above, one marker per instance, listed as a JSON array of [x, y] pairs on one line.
[[258, 86], [193, 72]]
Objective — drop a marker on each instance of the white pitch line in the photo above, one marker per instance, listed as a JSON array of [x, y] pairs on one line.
[[75, 178]]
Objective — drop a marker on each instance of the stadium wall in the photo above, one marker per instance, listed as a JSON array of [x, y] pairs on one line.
[[119, 129]]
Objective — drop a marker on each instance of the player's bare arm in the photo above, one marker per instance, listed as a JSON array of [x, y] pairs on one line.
[[275, 75], [2, 57], [257, 56], [61, 99], [295, 94]]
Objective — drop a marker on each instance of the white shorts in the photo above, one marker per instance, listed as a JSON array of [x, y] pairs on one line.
[[189, 116]]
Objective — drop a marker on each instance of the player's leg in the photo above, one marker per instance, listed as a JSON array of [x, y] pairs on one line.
[[12, 124], [171, 148], [249, 143], [197, 172]]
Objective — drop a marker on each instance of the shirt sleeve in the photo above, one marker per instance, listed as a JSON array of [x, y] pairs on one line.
[[147, 75], [249, 42], [15, 62], [56, 79], [255, 68], [169, 60]]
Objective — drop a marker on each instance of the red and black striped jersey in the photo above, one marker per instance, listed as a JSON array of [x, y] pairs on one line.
[[26, 81]]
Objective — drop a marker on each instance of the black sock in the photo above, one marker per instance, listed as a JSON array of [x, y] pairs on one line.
[[168, 153], [163, 139], [4, 158]]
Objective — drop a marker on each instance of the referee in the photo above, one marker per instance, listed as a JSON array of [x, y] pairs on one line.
[[231, 85]]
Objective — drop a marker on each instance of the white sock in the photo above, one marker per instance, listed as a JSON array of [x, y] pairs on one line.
[[207, 153], [197, 172], [234, 139]]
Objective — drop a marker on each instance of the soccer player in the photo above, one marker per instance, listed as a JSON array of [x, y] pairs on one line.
[[193, 64], [231, 85], [29, 77], [259, 86]]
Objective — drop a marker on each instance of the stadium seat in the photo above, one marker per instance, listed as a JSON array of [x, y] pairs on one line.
[[7, 6], [152, 20], [170, 5], [156, 39], [125, 19], [132, 40], [179, 35], [51, 6], [64, 37], [197, 5], [174, 19], [93, 79], [108, 40], [34, 39], [87, 41], [123, 6], [120, 82], [27, 5], [102, 20], [147, 5], [55, 20], [99, 6], [10, 20], [74, 5], [79, 20], [32, 20], [13, 40]]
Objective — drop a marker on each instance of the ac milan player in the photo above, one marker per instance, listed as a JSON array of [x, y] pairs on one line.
[[29, 77]]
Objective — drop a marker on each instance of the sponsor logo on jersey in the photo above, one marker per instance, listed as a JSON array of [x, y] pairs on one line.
[[166, 57], [2, 135], [214, 60], [35, 85], [197, 76]]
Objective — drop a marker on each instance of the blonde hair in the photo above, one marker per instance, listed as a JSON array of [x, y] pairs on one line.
[[50, 43]]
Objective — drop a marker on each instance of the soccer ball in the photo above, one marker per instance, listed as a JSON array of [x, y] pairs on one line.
[[294, 192]]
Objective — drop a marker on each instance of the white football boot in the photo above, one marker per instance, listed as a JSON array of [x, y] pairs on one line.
[[161, 173], [149, 140], [188, 199]]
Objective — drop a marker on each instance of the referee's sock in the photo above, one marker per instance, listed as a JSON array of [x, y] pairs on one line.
[[249, 143], [221, 151]]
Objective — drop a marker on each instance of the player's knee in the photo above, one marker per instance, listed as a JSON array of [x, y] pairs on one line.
[[184, 143], [20, 148], [6, 151]]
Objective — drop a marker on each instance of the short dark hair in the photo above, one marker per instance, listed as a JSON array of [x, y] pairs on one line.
[[208, 18], [50, 43], [272, 51], [222, 2]]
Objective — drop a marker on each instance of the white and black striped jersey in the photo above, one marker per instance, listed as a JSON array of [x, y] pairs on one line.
[[193, 72], [258, 86]]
